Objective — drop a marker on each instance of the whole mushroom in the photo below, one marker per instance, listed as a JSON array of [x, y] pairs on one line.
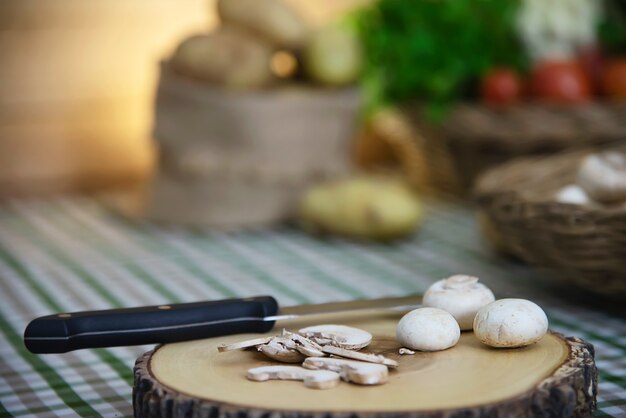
[[428, 329], [603, 177], [460, 295], [509, 323], [572, 194]]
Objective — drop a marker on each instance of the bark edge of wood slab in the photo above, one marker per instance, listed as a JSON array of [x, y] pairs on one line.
[[570, 391]]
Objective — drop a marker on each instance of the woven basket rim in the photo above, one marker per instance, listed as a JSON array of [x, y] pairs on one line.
[[350, 93], [517, 201], [536, 125], [489, 188]]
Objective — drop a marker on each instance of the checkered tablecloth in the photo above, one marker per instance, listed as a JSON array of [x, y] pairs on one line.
[[72, 254]]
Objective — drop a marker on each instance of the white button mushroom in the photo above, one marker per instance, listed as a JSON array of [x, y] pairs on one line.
[[510, 323], [572, 194], [428, 329], [460, 295], [603, 177]]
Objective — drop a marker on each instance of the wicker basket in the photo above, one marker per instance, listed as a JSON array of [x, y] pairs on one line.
[[585, 245], [475, 137], [242, 158], [391, 139]]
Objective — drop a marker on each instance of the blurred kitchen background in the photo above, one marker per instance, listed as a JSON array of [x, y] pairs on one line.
[[78, 83], [255, 113]]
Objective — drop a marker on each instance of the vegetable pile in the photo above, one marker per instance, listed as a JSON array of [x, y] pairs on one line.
[[442, 52], [261, 42], [434, 50]]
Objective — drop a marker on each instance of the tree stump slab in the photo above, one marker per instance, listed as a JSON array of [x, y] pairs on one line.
[[555, 377]]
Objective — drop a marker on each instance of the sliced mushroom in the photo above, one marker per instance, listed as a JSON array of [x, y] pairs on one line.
[[316, 379], [243, 344], [405, 351], [350, 370], [281, 349], [340, 335], [357, 355], [304, 345]]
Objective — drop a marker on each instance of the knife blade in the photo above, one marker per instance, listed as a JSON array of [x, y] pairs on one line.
[[63, 332]]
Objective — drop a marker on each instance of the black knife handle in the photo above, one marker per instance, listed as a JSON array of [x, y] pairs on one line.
[[61, 333]]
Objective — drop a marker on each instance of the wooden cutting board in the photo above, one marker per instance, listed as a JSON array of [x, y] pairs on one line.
[[555, 377]]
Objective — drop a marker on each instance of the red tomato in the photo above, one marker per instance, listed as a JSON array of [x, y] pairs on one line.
[[501, 86], [614, 79], [560, 82], [592, 60]]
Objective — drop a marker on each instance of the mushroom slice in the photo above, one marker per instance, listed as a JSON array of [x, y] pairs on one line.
[[340, 335], [316, 379], [350, 370], [243, 344], [304, 345], [357, 355], [281, 349], [405, 351]]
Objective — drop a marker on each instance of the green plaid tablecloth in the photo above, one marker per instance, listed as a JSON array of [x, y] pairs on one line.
[[71, 254]]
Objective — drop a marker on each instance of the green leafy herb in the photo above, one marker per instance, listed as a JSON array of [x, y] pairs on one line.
[[435, 50], [613, 27]]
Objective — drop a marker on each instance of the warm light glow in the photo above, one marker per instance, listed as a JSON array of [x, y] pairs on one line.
[[78, 81], [283, 64]]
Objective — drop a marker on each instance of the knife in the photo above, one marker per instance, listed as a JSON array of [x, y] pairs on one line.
[[65, 332]]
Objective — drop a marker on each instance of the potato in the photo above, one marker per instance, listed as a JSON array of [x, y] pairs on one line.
[[333, 56], [274, 20], [228, 56], [363, 207]]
